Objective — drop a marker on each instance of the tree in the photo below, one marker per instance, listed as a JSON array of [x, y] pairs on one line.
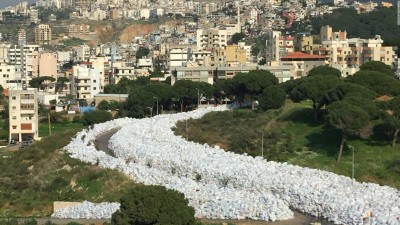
[[350, 120], [379, 82], [62, 80], [188, 92], [140, 103], [314, 88], [347, 89], [252, 84], [103, 105], [377, 66], [324, 70], [391, 117], [141, 52], [236, 37], [39, 82], [148, 205], [255, 50], [97, 116], [272, 97]]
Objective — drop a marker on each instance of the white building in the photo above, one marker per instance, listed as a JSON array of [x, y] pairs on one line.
[[23, 114], [145, 14], [81, 53], [8, 74], [85, 83], [215, 37]]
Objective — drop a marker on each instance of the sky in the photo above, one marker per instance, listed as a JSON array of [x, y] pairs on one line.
[[5, 3]]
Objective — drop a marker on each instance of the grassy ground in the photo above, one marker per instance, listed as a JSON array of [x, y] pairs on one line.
[[33, 177], [291, 135]]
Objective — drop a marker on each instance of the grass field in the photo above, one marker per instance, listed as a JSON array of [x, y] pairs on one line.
[[33, 177], [291, 135]]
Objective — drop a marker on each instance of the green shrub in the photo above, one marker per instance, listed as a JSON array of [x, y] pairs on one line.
[[147, 205], [97, 116], [30, 221]]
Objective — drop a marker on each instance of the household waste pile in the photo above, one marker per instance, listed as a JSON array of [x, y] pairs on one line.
[[224, 185]]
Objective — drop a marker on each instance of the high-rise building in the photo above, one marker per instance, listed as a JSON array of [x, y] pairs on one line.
[[43, 34]]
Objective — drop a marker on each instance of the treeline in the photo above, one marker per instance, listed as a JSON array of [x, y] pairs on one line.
[[145, 97], [357, 106], [382, 21]]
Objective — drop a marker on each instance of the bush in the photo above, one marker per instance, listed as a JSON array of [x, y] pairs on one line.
[[97, 116], [147, 205], [30, 221]]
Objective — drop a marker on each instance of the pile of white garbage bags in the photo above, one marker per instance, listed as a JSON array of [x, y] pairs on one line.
[[224, 185]]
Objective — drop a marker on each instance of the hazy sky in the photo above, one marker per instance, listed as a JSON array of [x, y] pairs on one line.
[[5, 3]]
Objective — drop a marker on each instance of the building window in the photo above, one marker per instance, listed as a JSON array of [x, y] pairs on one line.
[[94, 88], [14, 107], [14, 117], [14, 97], [14, 127], [94, 81], [27, 106]]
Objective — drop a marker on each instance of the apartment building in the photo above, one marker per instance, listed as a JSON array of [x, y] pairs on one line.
[[354, 52], [34, 16], [179, 56], [302, 63], [78, 29], [23, 114], [31, 60], [21, 38], [81, 53], [48, 64], [215, 37], [9, 74], [124, 71], [83, 5], [43, 34], [85, 82], [211, 74], [102, 65], [231, 55], [278, 46]]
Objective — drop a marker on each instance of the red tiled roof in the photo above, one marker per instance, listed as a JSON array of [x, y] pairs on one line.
[[300, 55]]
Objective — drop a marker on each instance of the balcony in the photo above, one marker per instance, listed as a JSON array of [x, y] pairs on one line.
[[83, 84], [27, 111]]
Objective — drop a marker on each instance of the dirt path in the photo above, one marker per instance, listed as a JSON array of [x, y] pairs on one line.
[[102, 140]]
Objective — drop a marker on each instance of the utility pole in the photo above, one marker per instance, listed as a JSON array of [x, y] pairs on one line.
[[198, 98], [262, 143], [398, 12], [186, 129], [352, 163], [157, 103], [48, 118]]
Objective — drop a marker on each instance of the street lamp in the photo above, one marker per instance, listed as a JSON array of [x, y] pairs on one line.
[[198, 98], [352, 162], [186, 130], [157, 103], [262, 143]]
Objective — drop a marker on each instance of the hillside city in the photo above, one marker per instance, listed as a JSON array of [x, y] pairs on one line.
[[311, 83]]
